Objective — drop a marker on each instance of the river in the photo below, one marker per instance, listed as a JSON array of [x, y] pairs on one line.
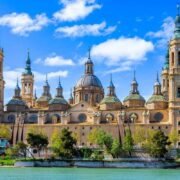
[[88, 174]]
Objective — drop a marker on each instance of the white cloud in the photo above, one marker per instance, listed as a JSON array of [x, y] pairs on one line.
[[74, 10], [58, 61], [86, 30], [165, 33], [10, 76], [122, 52], [22, 24]]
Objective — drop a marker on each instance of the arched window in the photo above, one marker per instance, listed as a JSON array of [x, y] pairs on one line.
[[178, 92], [97, 98], [164, 82], [179, 58], [86, 97], [172, 58]]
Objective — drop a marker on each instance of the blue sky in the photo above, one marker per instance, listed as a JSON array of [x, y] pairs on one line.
[[124, 35]]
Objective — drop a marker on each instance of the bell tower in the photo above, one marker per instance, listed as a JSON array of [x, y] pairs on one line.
[[27, 81]]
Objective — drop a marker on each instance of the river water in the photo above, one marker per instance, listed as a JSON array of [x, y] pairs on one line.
[[88, 174]]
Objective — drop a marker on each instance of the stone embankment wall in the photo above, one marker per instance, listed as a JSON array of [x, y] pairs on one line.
[[97, 164]]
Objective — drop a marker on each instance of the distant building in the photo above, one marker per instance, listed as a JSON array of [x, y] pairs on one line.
[[89, 108]]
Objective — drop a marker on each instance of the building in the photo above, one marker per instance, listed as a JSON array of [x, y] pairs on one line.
[[88, 107]]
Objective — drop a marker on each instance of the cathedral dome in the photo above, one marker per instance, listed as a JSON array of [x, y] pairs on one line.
[[156, 98], [110, 99], [89, 80], [15, 101], [58, 100], [134, 97]]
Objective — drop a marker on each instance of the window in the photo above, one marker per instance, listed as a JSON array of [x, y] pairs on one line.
[[172, 59], [97, 98], [86, 97], [178, 58], [178, 131], [178, 92], [179, 123], [178, 143], [164, 82]]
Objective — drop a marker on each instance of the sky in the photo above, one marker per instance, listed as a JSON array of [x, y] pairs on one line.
[[123, 35]]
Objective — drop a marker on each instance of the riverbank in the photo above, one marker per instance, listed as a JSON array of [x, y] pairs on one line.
[[98, 164]]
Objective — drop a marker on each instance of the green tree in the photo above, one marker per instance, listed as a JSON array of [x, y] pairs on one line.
[[101, 138], [5, 132], [139, 136], [128, 142], [63, 143], [173, 137], [19, 150], [116, 148], [157, 144], [38, 141]]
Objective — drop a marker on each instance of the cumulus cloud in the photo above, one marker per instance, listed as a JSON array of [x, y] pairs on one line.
[[58, 61], [122, 52], [74, 10], [165, 33], [10, 76], [22, 24], [86, 30]]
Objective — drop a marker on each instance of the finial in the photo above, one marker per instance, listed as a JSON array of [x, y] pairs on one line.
[[35, 96], [17, 81], [89, 53], [134, 75], [157, 78], [177, 9], [111, 77], [71, 97], [46, 77], [59, 80]]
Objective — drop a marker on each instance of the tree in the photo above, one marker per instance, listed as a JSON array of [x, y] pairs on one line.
[[5, 132], [38, 141], [173, 137], [63, 143], [139, 136], [157, 144], [101, 138], [116, 148], [128, 142], [20, 149]]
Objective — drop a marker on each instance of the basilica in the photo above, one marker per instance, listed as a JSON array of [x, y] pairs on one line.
[[89, 107]]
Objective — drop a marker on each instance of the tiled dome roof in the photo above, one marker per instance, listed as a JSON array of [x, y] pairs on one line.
[[15, 101], [134, 97], [156, 98], [58, 100], [89, 80], [110, 99]]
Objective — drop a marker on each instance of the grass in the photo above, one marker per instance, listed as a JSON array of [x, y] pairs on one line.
[[7, 162]]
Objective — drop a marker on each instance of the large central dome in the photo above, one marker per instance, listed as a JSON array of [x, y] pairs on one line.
[[89, 80]]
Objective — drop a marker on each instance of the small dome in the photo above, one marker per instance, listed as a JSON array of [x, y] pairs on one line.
[[15, 101], [110, 99], [43, 98], [89, 80], [58, 100], [134, 97], [156, 98]]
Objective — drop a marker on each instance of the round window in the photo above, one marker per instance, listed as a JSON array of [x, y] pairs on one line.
[[158, 117], [11, 118], [82, 117]]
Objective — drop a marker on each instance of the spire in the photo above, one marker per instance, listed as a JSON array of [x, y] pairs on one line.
[[28, 64], [111, 88], [46, 88], [46, 81], [17, 90], [59, 89], [134, 84], [35, 96], [157, 86], [89, 64], [166, 64], [177, 23]]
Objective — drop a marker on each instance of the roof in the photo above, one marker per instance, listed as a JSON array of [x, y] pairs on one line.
[[156, 98], [15, 101], [89, 80], [110, 99], [58, 100], [43, 98], [134, 97]]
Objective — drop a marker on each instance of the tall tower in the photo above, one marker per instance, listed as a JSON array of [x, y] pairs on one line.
[[27, 81], [174, 75], [165, 76], [1, 82]]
